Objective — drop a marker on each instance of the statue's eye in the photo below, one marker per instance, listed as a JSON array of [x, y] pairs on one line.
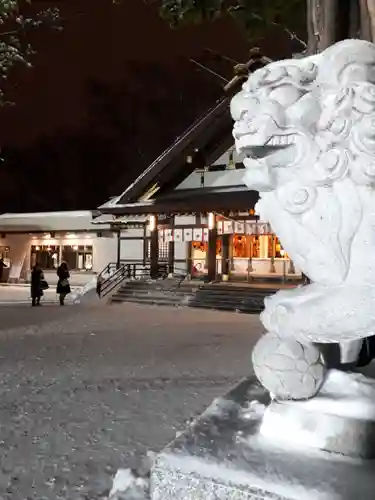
[[309, 72], [337, 126], [273, 75], [286, 95]]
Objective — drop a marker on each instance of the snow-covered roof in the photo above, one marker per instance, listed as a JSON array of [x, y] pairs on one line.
[[219, 178], [47, 221], [224, 159], [126, 219]]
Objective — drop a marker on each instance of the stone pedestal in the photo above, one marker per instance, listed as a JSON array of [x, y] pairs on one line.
[[223, 456], [340, 419]]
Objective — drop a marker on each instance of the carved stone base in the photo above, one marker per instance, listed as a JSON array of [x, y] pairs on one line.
[[223, 457]]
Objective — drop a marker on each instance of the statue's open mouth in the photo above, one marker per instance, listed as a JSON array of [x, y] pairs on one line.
[[274, 145], [259, 152]]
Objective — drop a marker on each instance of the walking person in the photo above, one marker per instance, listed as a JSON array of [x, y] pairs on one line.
[[37, 278], [2, 266], [63, 286]]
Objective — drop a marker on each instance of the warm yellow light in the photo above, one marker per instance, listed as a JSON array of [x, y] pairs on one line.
[[152, 223], [211, 220]]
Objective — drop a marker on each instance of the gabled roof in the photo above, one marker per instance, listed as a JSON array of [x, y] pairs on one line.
[[209, 136], [199, 146]]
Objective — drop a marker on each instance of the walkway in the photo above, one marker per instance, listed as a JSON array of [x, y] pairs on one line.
[[86, 388], [11, 294]]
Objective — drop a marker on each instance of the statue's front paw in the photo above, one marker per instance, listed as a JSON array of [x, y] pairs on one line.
[[288, 369], [275, 318]]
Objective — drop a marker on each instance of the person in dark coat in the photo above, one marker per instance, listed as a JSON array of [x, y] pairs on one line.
[[37, 277], [63, 286], [2, 266]]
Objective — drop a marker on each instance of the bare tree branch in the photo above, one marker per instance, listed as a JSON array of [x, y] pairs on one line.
[[208, 70]]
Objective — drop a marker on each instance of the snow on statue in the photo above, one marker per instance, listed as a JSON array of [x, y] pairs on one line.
[[307, 127]]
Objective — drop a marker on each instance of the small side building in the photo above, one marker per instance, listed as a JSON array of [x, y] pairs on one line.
[[53, 237]]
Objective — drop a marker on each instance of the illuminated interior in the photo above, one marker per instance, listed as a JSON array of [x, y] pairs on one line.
[[78, 257]]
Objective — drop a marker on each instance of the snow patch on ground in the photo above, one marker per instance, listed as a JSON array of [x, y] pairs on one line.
[[253, 410], [133, 484], [127, 486], [222, 408], [78, 294]]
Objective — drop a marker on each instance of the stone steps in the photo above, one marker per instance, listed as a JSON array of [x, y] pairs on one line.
[[168, 292], [231, 298], [159, 292]]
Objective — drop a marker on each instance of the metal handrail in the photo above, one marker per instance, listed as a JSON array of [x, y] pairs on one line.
[[181, 275], [105, 287], [126, 271], [112, 275]]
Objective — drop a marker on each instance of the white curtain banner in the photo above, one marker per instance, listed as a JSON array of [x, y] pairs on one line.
[[178, 235], [228, 227], [197, 234], [239, 227], [168, 235], [188, 234]]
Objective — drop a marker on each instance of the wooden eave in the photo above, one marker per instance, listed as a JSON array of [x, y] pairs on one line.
[[191, 201]]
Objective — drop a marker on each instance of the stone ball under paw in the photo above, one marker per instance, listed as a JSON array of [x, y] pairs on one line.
[[288, 369]]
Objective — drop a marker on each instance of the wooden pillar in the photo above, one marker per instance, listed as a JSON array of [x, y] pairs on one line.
[[273, 251], [118, 261], [171, 246], [145, 244], [211, 253], [154, 247], [189, 258], [291, 269], [225, 268]]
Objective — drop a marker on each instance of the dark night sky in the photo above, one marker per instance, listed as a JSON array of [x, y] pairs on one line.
[[105, 95]]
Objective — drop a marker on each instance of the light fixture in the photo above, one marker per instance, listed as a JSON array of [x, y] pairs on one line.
[[152, 223], [37, 248], [211, 220], [189, 159], [75, 247]]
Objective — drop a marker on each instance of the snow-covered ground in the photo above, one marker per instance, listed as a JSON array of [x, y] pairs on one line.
[[20, 294], [84, 389]]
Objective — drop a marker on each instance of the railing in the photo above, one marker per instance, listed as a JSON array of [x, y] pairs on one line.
[[112, 276], [180, 274]]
